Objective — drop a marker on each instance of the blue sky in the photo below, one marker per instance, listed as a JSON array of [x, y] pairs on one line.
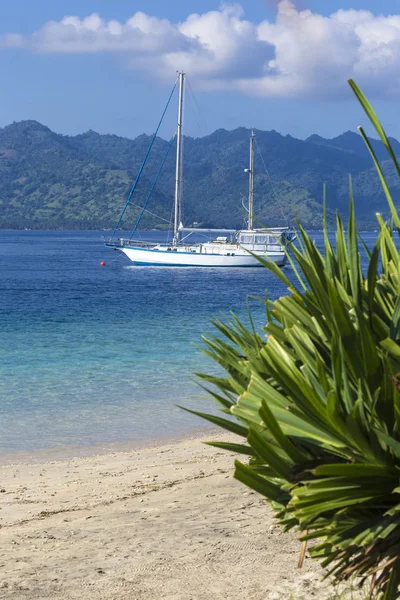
[[248, 67]]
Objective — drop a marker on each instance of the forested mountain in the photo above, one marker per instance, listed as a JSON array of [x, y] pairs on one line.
[[62, 182]]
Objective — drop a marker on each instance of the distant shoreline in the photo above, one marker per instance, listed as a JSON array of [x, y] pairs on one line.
[[55, 182], [122, 231]]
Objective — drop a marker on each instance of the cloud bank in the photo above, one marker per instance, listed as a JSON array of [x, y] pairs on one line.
[[300, 53]]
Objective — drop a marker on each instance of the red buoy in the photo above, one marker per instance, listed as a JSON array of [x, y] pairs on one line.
[[102, 264]]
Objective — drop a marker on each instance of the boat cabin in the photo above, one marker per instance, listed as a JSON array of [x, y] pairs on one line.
[[259, 240]]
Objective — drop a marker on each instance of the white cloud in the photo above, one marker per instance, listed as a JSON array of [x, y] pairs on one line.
[[299, 53]]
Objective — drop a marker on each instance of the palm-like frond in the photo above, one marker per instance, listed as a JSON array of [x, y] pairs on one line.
[[318, 398]]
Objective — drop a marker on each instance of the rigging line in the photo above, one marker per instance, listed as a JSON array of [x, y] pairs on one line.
[[200, 112], [144, 161], [272, 185], [152, 187], [118, 257], [205, 125], [153, 214], [181, 196], [195, 114], [171, 222], [201, 123]]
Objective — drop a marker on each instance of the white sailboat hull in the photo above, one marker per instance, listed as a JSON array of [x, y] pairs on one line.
[[244, 248], [178, 258]]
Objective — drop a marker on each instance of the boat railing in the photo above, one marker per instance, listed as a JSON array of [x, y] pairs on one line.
[[123, 243]]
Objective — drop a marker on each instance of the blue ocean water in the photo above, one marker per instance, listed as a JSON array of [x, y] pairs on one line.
[[92, 355]]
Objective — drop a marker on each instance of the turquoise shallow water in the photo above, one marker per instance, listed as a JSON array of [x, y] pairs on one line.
[[91, 355]]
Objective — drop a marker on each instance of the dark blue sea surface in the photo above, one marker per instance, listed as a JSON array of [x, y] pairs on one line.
[[93, 355]]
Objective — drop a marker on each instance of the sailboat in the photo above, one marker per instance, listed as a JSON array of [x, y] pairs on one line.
[[225, 247]]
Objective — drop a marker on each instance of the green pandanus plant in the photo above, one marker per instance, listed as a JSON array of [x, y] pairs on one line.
[[317, 398]]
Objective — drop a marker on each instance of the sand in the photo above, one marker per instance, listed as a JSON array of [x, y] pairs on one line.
[[165, 521]]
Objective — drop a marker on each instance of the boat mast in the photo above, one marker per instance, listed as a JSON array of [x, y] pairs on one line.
[[251, 180], [178, 172]]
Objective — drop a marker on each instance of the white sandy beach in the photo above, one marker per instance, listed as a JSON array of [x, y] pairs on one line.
[[159, 522]]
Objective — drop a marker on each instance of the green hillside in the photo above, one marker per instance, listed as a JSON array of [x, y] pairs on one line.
[[61, 182]]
